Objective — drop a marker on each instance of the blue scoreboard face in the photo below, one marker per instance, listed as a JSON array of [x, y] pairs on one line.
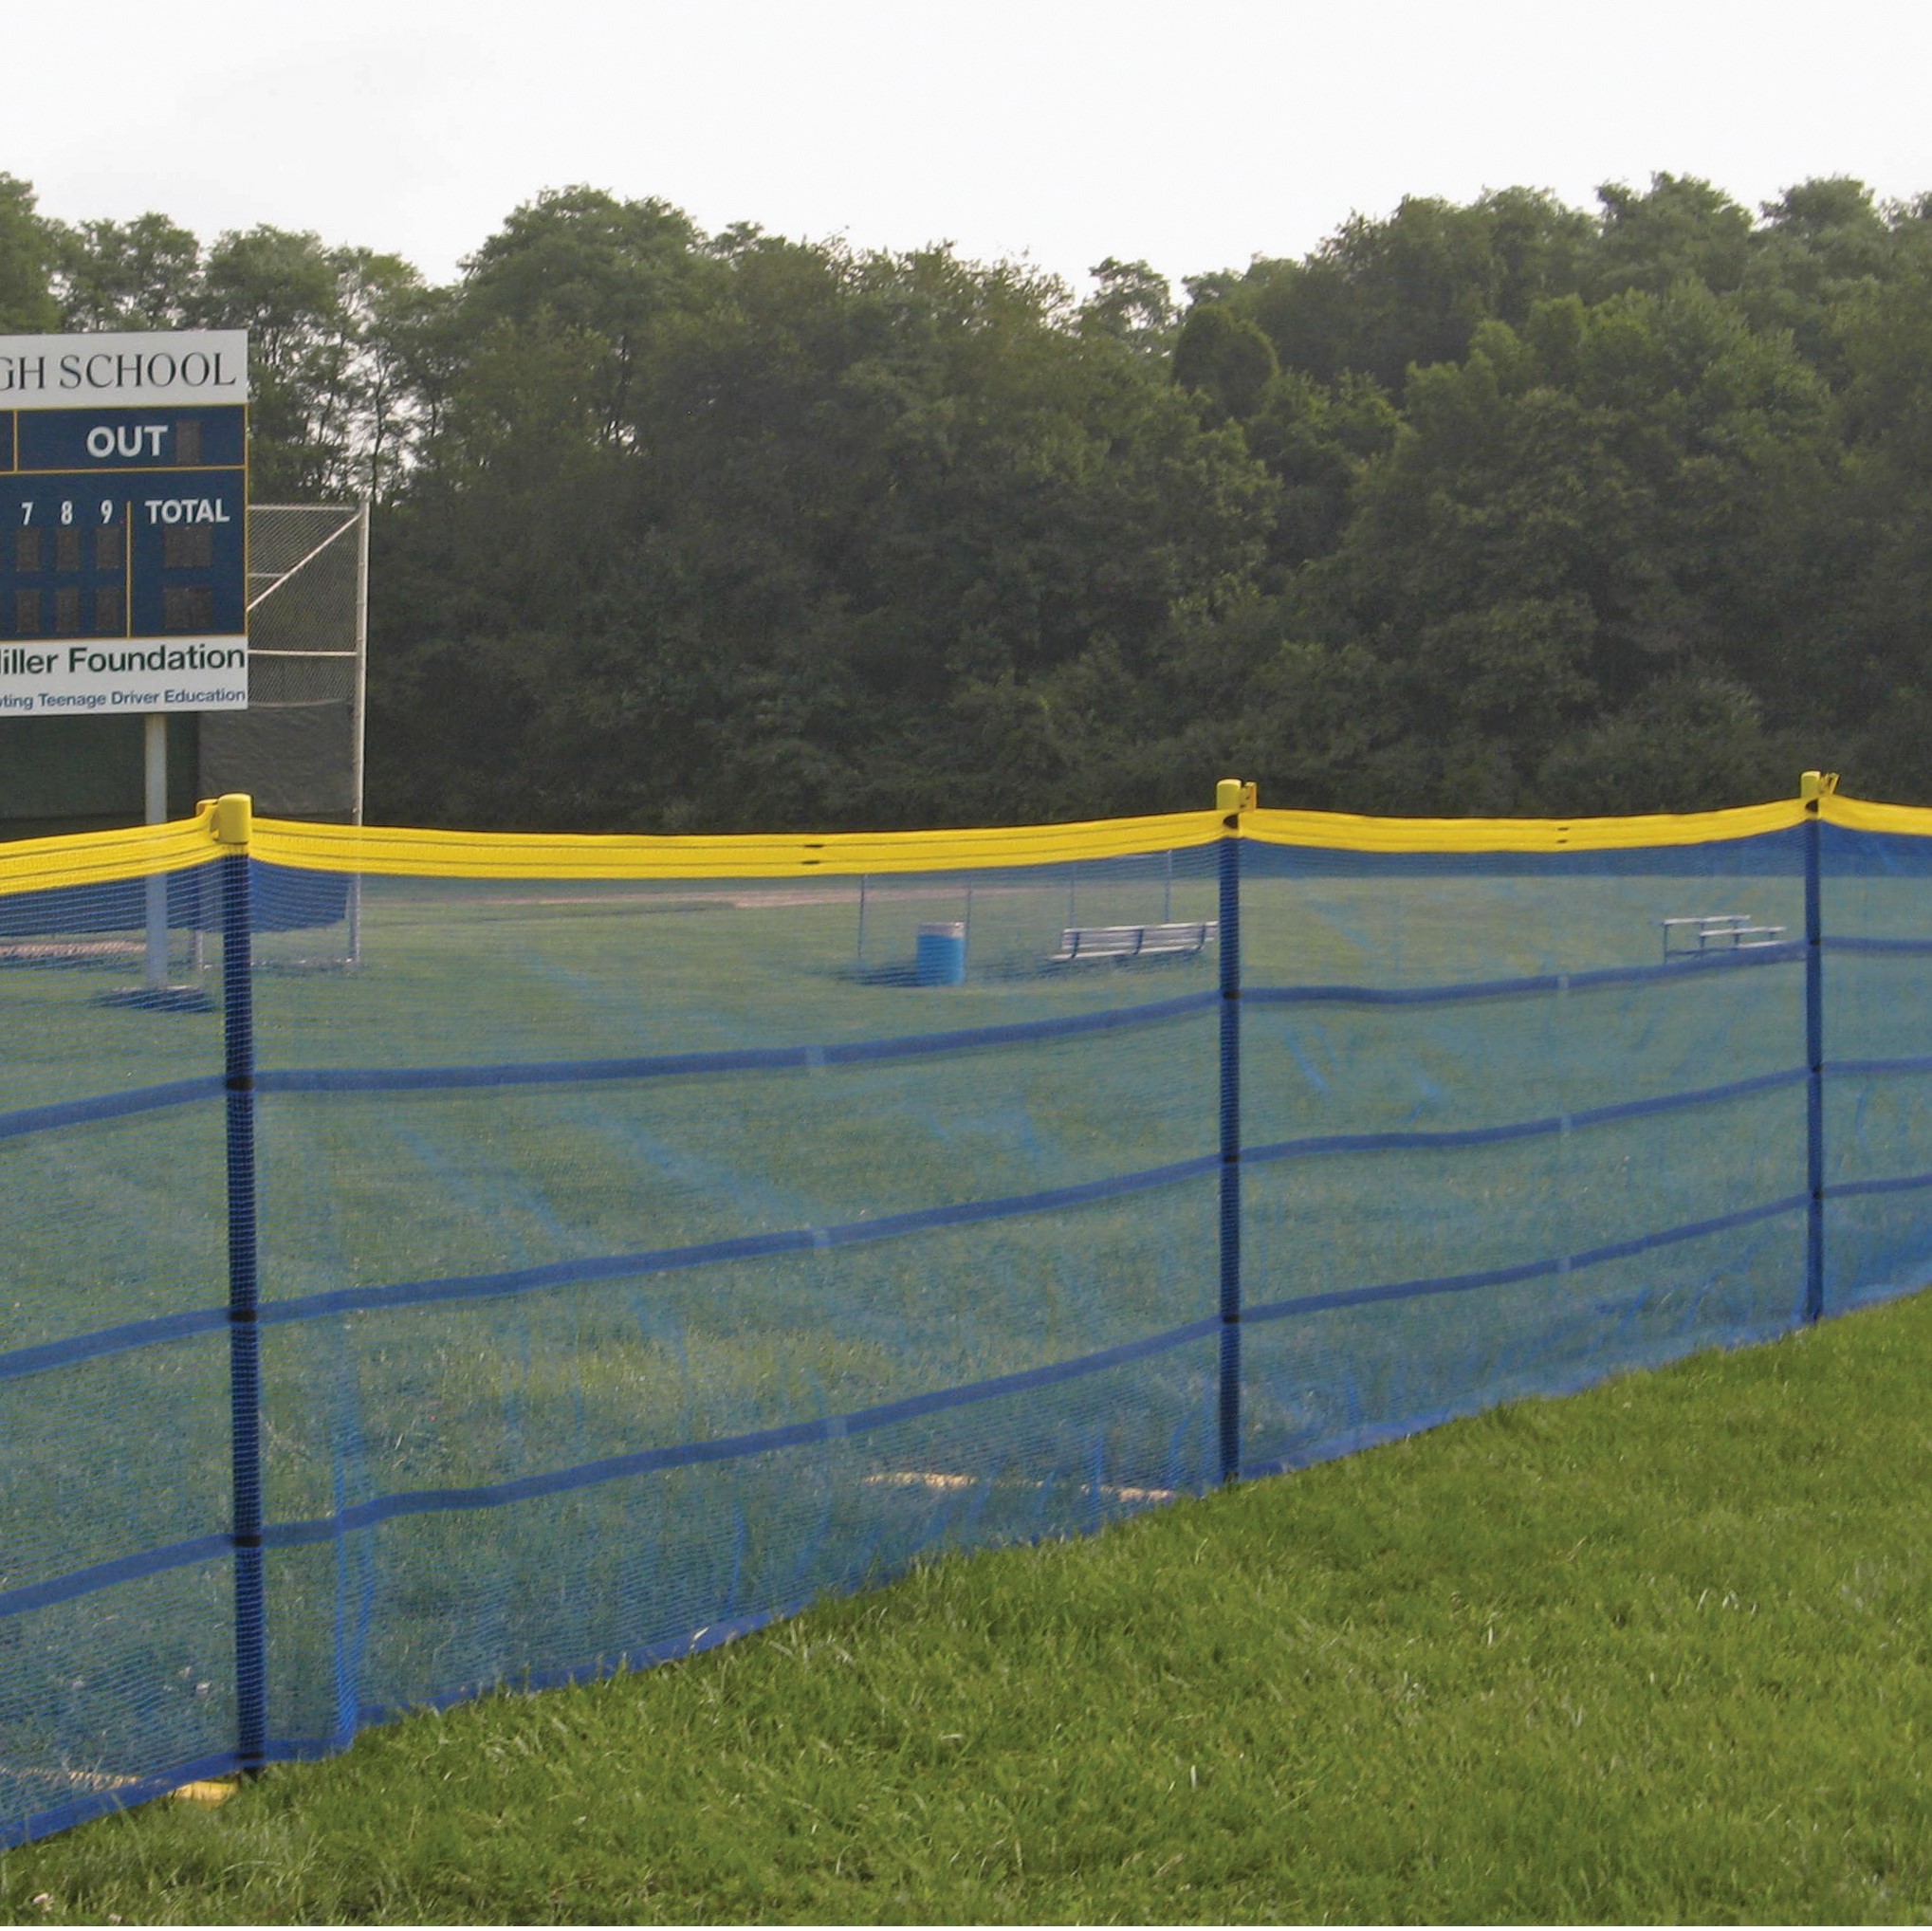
[[123, 552]]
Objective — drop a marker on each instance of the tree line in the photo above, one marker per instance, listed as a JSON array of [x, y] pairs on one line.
[[1498, 508]]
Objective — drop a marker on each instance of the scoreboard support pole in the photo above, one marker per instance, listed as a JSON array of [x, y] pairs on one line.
[[155, 756]]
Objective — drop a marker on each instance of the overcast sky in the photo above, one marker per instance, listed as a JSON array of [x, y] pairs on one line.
[[1194, 135]]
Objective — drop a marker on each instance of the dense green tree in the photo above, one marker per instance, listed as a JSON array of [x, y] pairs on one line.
[[138, 274], [1822, 245], [1133, 304], [1224, 359], [1691, 742], [286, 291], [1383, 295], [1683, 229], [606, 268], [1582, 508], [26, 303], [1319, 440], [1466, 509], [395, 331], [1490, 507], [1884, 335], [857, 509]]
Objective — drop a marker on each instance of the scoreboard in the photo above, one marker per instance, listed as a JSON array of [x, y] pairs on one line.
[[123, 522]]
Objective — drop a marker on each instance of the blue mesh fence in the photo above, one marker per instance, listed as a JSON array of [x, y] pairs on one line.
[[609, 1267]]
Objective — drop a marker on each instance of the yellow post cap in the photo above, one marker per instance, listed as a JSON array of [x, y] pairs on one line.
[[1231, 796], [1813, 785], [235, 819]]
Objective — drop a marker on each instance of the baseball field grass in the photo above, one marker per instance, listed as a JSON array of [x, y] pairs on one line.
[[477, 1323], [1655, 1651]]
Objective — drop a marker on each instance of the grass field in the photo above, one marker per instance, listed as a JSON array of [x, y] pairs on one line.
[[121, 1219], [1656, 1651]]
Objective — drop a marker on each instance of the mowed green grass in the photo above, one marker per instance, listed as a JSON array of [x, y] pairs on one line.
[[1656, 1651], [385, 1187], [377, 1188]]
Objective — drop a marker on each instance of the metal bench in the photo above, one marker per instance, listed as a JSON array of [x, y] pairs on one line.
[[1179, 940], [1715, 932]]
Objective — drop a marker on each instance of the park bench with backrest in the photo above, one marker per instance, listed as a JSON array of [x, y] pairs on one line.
[[1179, 939]]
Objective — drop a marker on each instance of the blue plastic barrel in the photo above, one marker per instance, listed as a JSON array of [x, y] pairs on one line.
[[942, 955]]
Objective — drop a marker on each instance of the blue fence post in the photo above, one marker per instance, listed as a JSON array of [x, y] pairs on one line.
[[232, 829], [1232, 797], [1813, 789]]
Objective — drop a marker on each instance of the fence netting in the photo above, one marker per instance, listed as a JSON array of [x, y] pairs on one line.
[[641, 1256], [1496, 1142]]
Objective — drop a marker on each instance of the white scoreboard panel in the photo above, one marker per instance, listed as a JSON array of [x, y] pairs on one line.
[[123, 522]]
